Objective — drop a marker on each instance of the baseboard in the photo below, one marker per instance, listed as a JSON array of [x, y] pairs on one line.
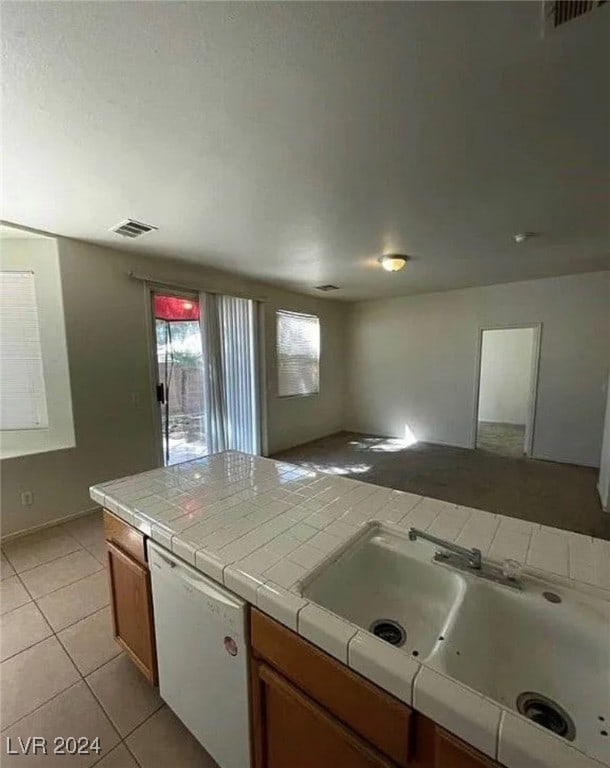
[[48, 524]]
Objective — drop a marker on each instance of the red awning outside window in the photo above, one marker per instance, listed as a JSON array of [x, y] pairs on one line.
[[175, 308]]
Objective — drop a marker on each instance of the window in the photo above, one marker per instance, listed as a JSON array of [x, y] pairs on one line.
[[298, 354], [23, 399]]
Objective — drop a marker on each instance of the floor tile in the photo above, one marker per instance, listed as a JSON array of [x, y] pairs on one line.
[[33, 677], [12, 594], [125, 695], [59, 573], [22, 628], [75, 712], [88, 529], [41, 547], [6, 569], [69, 604], [120, 757], [99, 550], [90, 642], [163, 740]]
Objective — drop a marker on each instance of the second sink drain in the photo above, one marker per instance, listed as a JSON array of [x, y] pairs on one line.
[[546, 713], [390, 631]]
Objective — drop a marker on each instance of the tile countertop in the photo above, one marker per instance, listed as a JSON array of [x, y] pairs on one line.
[[260, 526]]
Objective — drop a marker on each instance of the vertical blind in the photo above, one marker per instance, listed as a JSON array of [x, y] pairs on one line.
[[239, 366], [231, 373], [23, 400], [298, 353]]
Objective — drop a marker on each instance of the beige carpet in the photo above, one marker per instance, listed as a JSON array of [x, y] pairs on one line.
[[559, 495]]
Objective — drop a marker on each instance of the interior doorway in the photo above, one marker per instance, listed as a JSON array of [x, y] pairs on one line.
[[507, 383], [179, 369]]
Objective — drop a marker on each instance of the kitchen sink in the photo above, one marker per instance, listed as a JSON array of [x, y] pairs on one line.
[[542, 651], [388, 585]]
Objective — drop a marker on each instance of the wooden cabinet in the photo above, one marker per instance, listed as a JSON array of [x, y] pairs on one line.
[[297, 732], [130, 595], [311, 711]]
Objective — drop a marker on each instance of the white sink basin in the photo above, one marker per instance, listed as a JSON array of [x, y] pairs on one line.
[[385, 576], [504, 643]]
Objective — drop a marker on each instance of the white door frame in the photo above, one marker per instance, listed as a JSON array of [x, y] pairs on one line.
[[533, 394]]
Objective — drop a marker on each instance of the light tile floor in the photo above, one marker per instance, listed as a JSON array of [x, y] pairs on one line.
[[62, 674]]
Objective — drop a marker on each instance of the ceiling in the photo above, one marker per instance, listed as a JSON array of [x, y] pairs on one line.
[[296, 142]]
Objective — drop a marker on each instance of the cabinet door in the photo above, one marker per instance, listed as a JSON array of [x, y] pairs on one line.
[[132, 615], [290, 729]]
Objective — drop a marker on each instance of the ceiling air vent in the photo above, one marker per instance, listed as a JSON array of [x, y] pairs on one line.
[[132, 228], [558, 12], [327, 287]]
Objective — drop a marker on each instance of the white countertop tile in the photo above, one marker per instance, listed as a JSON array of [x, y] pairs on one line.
[[389, 667], [523, 744], [279, 603], [210, 564], [243, 582], [285, 573], [326, 631], [458, 709]]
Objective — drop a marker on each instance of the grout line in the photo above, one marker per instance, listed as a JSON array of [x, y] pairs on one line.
[[45, 562], [40, 706], [82, 678], [32, 645]]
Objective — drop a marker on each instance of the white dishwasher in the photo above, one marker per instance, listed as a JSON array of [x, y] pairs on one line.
[[202, 652]]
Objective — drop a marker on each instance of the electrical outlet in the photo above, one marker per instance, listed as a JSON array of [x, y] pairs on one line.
[[27, 498]]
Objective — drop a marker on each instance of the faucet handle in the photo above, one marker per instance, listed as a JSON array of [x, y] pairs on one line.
[[511, 569]]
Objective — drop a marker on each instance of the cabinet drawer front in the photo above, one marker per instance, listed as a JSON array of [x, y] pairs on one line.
[[125, 536], [372, 713], [300, 734]]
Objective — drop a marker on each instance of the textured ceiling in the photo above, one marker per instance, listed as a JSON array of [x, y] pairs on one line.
[[296, 142]]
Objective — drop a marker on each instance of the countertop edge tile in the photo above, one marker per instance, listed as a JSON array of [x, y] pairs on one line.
[[460, 710], [326, 630], [523, 744], [387, 667], [280, 604], [243, 583]]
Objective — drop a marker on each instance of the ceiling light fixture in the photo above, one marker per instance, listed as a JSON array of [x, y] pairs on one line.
[[393, 262]]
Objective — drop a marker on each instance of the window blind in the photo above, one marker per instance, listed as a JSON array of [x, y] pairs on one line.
[[298, 354], [23, 400]]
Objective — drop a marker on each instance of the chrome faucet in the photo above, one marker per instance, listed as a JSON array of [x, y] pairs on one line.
[[471, 560], [471, 556]]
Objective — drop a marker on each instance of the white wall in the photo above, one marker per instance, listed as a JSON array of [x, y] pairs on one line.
[[604, 468], [40, 256], [506, 368], [412, 361], [107, 337]]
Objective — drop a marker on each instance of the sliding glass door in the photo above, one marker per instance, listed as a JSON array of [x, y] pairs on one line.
[[179, 368], [206, 370]]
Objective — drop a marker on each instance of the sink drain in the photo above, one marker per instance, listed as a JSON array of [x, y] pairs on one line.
[[546, 713], [390, 631]]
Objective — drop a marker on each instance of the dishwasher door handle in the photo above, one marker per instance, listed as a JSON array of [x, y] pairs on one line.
[[203, 584]]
